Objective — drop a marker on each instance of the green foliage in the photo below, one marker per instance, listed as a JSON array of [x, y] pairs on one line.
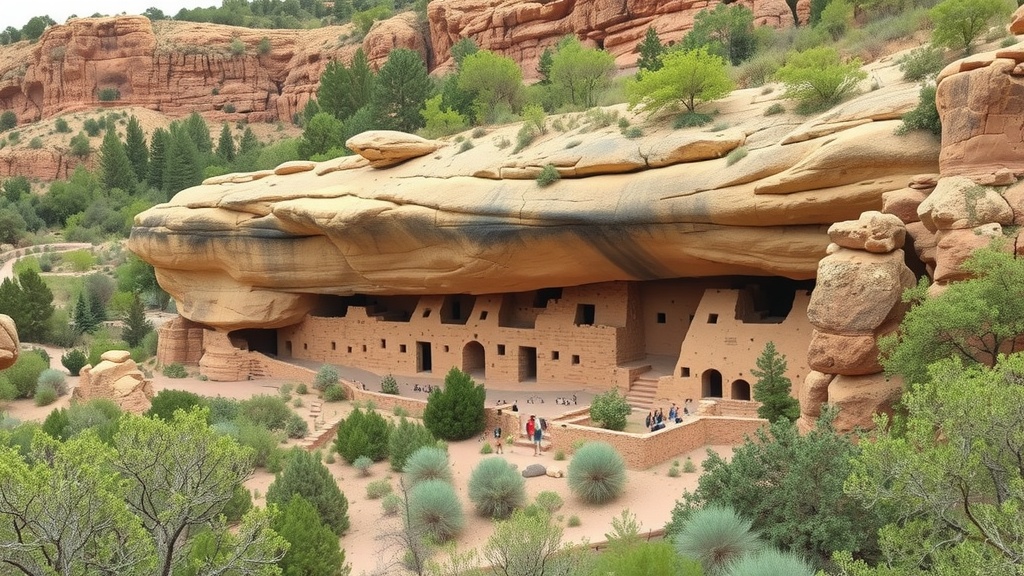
[[548, 176], [167, 401], [405, 439], [45, 394], [550, 501], [264, 410], [529, 545], [716, 536], [136, 149], [296, 427], [486, 448], [391, 503], [496, 83], [175, 370], [74, 360], [108, 94], [440, 122], [579, 74], [836, 18], [378, 489], [263, 48], [435, 511], [323, 132], [334, 393], [24, 374], [225, 142], [427, 463], [29, 302], [736, 155], [238, 505], [688, 466], [264, 444], [363, 464], [775, 109], [610, 409], [496, 488], [922, 63], [344, 90], [325, 376], [363, 434], [456, 411], [8, 120], [464, 47], [306, 476], [400, 91], [958, 23], [651, 51], [573, 521], [770, 561], [646, 559], [772, 388], [925, 116], [388, 385], [818, 79], [687, 77], [364, 19], [135, 323], [313, 549], [597, 473], [727, 31]]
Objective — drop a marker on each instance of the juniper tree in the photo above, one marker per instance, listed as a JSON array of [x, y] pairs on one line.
[[135, 147], [772, 388]]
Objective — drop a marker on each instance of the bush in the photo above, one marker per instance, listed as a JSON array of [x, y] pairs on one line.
[[496, 488], [405, 439], [8, 120], [427, 463], [597, 473], [559, 455], [922, 63], [435, 511], [925, 116], [301, 388], [736, 155], [54, 379], [363, 434], [526, 135], [389, 385], [297, 402], [326, 376], [466, 146], [334, 393], [363, 464], [770, 561], [378, 489], [229, 108], [45, 395], [817, 79], [35, 143], [691, 120], [399, 411], [264, 46], [479, 132], [610, 409], [222, 409], [391, 503], [673, 472], [689, 467], [237, 47], [270, 412], [166, 402], [633, 132], [774, 109], [61, 125], [573, 521], [717, 537], [175, 370], [548, 176], [108, 94], [238, 505], [486, 448], [455, 412], [24, 374], [296, 427], [265, 444], [305, 475], [550, 501]]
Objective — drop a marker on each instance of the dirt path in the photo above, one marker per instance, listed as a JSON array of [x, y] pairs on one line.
[[12, 256]]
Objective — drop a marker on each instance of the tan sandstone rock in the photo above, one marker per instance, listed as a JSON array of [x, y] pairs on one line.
[[1014, 196], [814, 393], [873, 231], [857, 291], [181, 341], [859, 398], [958, 202], [954, 247], [384, 148], [116, 378], [852, 355], [925, 241], [903, 203], [9, 345]]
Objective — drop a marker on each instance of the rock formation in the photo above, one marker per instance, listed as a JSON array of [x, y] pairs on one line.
[[9, 346], [857, 299], [116, 378]]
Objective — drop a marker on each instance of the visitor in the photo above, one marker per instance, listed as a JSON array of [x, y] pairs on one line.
[[659, 417], [672, 413], [686, 407], [515, 406], [649, 421], [531, 425], [497, 440], [538, 435]]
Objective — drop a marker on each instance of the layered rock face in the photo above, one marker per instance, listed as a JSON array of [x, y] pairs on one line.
[[257, 250], [116, 378], [9, 345]]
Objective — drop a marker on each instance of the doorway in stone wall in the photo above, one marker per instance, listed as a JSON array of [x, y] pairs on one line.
[[740, 390], [527, 364], [473, 359], [424, 361], [711, 383]]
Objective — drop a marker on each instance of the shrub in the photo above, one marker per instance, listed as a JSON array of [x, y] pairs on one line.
[[264, 46], [633, 132], [673, 472], [8, 120], [45, 395], [237, 47], [550, 501], [223, 409], [502, 142], [925, 116], [326, 376], [559, 455], [572, 144], [285, 391], [486, 448], [264, 443], [691, 120], [389, 385], [229, 108], [108, 94], [238, 505], [689, 467], [736, 155], [405, 439], [597, 473], [166, 402], [573, 521], [334, 393], [479, 132], [924, 62], [435, 511], [770, 561], [297, 402], [717, 537], [92, 127], [175, 370], [427, 463], [391, 503], [610, 409], [455, 412], [399, 411], [378, 489], [296, 427], [774, 109], [301, 388], [363, 464], [305, 475], [363, 434], [35, 143], [270, 412], [526, 135], [24, 374], [548, 176], [818, 79], [465, 146], [496, 488], [55, 379]]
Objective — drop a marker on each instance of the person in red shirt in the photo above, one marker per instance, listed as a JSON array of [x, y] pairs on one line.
[[531, 426]]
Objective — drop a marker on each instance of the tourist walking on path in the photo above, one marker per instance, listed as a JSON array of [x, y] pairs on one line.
[[538, 435]]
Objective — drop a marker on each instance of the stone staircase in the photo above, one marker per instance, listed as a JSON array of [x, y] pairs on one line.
[[642, 392]]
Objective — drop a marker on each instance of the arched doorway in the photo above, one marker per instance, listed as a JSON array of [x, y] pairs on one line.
[[740, 390], [711, 383], [473, 359]]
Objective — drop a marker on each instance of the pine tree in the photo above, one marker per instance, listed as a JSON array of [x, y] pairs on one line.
[[547, 58], [400, 91], [136, 325], [157, 158], [249, 142], [84, 320], [116, 169], [182, 169], [305, 475], [199, 132], [650, 49], [11, 301], [37, 303], [135, 147], [226, 144], [314, 549], [342, 11], [345, 89], [772, 388]]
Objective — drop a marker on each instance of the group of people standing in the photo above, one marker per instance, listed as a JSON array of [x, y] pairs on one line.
[[656, 419]]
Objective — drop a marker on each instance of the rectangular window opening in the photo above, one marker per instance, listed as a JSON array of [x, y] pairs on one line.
[[334, 345], [684, 372], [554, 354], [575, 359], [662, 318], [585, 314], [712, 318], [383, 343], [483, 315], [401, 348], [501, 349], [426, 312]]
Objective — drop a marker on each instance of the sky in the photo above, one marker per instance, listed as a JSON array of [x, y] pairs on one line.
[[17, 12]]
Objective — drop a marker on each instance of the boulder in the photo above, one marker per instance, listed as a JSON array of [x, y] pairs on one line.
[[856, 291], [118, 380], [958, 202], [843, 354], [116, 356], [814, 393], [9, 345], [873, 231], [384, 148], [954, 247], [903, 203], [555, 473], [534, 470], [1014, 196], [859, 398]]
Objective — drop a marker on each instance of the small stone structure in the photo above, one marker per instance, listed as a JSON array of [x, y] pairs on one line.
[[117, 377], [9, 345]]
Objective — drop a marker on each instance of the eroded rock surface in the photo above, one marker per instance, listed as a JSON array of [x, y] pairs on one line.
[[116, 377], [9, 345]]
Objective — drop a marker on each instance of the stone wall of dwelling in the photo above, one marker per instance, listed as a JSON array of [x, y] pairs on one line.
[[667, 307], [719, 341], [641, 451]]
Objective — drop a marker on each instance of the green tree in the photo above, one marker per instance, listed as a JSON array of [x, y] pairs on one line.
[[791, 485], [158, 144], [226, 144], [249, 143], [363, 434], [952, 475], [440, 122], [8, 120], [836, 18], [610, 410], [973, 320], [16, 187], [135, 147], [83, 317], [686, 77], [116, 168], [496, 83], [464, 47], [400, 91], [817, 7], [581, 73], [531, 545], [167, 402], [342, 10], [306, 476], [651, 50], [817, 78], [345, 89], [29, 302], [958, 23], [182, 167], [726, 31], [772, 388], [323, 132], [199, 132], [544, 66], [456, 411], [313, 548], [35, 27], [136, 325]]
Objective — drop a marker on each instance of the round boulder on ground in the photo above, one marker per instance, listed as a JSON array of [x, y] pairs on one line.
[[534, 470]]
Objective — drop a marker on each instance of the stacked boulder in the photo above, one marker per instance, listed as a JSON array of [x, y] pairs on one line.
[[8, 342], [116, 377], [857, 299], [903, 204]]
